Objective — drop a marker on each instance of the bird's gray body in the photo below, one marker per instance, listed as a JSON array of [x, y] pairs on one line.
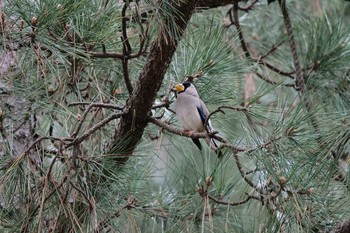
[[187, 111], [192, 113]]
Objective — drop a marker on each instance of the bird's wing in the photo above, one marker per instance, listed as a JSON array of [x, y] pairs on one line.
[[204, 113]]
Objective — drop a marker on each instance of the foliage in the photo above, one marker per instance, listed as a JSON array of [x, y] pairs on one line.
[[66, 67]]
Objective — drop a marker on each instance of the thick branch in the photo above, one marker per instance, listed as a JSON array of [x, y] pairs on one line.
[[139, 104], [182, 132], [105, 54], [342, 227], [213, 134], [215, 3]]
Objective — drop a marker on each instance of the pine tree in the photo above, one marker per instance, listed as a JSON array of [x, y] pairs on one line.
[[89, 137]]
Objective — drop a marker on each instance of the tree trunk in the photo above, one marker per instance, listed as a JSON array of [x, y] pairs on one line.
[[139, 104]]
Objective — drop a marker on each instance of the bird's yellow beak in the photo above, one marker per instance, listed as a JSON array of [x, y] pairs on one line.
[[180, 87]]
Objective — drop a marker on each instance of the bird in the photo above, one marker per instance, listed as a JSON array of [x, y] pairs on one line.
[[192, 113]]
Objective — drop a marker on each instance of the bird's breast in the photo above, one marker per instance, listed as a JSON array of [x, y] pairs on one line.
[[187, 114]]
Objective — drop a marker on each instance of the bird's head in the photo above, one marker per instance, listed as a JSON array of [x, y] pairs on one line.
[[187, 88], [182, 87]]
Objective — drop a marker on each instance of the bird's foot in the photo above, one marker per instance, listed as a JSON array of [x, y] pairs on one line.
[[189, 132]]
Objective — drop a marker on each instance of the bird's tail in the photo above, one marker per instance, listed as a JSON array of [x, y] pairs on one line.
[[212, 142]]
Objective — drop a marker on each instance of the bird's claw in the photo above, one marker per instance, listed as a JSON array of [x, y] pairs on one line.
[[189, 132]]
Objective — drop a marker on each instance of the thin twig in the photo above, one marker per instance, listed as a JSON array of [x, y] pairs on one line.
[[44, 138], [235, 9], [166, 99], [221, 202], [125, 67], [48, 196], [249, 7], [82, 193], [126, 44], [162, 105], [274, 68], [273, 49], [131, 203], [124, 33], [91, 105], [262, 77], [243, 175], [126, 51], [219, 109], [235, 150], [235, 21], [299, 82], [94, 128], [97, 105], [119, 55]]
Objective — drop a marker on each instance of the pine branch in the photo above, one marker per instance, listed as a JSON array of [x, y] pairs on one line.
[[140, 103], [273, 49], [274, 68], [342, 227], [96, 105], [126, 51], [86, 112], [235, 21], [96, 127], [248, 7], [299, 82], [219, 109], [221, 202], [239, 30], [213, 3], [183, 132]]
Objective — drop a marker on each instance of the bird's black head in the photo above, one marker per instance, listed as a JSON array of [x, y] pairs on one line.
[[186, 84], [182, 87]]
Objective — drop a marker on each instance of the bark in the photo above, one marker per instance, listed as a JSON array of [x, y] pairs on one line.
[[343, 227], [139, 104], [215, 3]]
